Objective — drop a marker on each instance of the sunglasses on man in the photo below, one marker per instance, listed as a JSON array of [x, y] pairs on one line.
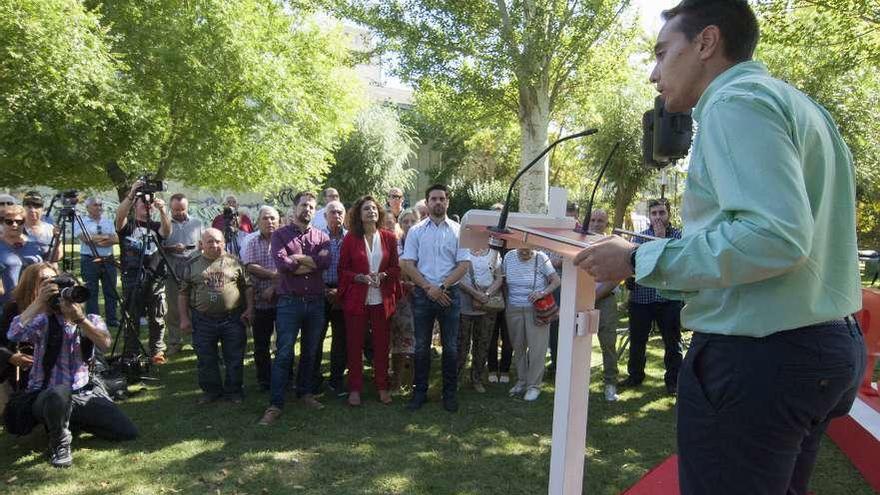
[[12, 221]]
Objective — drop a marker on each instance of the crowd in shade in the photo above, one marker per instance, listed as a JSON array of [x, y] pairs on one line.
[[385, 282]]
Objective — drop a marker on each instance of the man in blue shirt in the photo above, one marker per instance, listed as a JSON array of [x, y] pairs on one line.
[[647, 307], [767, 264]]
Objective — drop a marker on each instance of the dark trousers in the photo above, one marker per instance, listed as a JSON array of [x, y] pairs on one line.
[[105, 274], [148, 301], [58, 409], [425, 311], [751, 411], [499, 331], [229, 332], [667, 315], [356, 327], [263, 328], [334, 317], [295, 313]]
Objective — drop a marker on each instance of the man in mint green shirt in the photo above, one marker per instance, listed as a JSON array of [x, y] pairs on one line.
[[766, 266]]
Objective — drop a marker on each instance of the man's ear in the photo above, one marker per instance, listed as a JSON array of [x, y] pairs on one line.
[[709, 41]]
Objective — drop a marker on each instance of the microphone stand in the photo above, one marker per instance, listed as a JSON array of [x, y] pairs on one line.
[[501, 228]]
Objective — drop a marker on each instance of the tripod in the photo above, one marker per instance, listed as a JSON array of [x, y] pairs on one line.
[[140, 279]]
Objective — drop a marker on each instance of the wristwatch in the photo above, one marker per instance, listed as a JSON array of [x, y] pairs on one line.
[[443, 287], [632, 258]]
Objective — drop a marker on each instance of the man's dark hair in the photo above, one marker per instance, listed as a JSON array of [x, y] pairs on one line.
[[437, 187], [355, 224], [659, 202], [177, 197], [734, 18], [307, 194]]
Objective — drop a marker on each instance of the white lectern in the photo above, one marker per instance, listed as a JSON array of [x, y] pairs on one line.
[[578, 321]]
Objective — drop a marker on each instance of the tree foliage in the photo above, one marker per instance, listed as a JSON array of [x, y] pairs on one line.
[[515, 57], [241, 95], [375, 156]]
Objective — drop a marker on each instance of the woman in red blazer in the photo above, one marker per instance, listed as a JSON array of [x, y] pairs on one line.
[[369, 285]]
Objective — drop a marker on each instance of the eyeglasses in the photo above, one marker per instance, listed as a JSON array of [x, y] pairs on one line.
[[395, 196], [11, 222], [6, 203]]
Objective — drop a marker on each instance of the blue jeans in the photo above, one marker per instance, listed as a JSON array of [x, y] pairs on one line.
[[105, 273], [751, 411], [295, 313], [230, 333], [425, 311]]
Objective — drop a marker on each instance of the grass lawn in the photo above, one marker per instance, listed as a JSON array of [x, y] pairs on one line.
[[493, 445]]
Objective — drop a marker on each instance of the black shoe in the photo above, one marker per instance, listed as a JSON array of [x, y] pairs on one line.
[[60, 456], [672, 389], [450, 404], [416, 403], [629, 383]]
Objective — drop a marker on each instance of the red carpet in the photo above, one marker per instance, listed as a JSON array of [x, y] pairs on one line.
[[662, 480]]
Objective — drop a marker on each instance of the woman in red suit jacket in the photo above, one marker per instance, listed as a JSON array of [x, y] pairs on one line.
[[369, 285]]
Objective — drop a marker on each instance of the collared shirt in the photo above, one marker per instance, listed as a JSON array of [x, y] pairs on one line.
[[289, 241], [648, 295], [215, 287], [331, 274], [258, 251], [42, 234], [102, 226], [769, 242], [188, 233], [434, 248], [70, 369]]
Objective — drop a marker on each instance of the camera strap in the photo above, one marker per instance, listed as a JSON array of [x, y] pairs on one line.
[[54, 340]]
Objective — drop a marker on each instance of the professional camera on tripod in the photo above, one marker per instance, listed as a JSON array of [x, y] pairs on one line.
[[144, 268]]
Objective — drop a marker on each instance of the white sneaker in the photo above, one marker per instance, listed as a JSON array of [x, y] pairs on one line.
[[493, 377], [504, 378], [517, 389], [611, 393], [532, 394]]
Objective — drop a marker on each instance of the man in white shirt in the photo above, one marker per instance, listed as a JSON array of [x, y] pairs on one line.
[[320, 220], [435, 263]]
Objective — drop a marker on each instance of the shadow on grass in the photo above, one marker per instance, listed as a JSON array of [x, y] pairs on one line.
[[494, 444]]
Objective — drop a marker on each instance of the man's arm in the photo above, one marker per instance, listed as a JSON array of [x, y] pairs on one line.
[[768, 228], [260, 272], [460, 269], [96, 330], [125, 206], [164, 218]]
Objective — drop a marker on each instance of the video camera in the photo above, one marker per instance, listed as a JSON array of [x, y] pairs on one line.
[[69, 198], [150, 187], [229, 213], [69, 290]]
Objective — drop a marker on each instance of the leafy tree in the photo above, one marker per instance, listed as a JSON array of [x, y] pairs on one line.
[[243, 95], [375, 155], [518, 57]]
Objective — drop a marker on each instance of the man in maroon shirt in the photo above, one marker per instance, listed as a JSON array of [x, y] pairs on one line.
[[301, 253]]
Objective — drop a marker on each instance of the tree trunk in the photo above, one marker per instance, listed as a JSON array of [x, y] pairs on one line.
[[119, 178], [534, 118]]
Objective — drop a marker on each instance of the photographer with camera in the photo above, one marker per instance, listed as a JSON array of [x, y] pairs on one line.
[[230, 209], [60, 393], [143, 268]]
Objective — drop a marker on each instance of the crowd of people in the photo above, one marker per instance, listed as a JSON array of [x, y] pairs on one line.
[[389, 285]]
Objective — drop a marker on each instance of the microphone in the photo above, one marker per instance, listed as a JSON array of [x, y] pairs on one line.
[[501, 228]]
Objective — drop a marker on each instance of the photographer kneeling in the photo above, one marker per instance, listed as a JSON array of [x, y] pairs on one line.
[[60, 394]]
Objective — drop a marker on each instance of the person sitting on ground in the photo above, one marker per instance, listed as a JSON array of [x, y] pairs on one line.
[[60, 394], [215, 302], [369, 285]]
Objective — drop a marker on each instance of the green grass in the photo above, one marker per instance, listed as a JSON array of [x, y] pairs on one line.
[[495, 444]]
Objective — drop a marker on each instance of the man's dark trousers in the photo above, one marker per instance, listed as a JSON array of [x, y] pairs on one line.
[[668, 317], [230, 333], [263, 328], [425, 311], [334, 317], [751, 411]]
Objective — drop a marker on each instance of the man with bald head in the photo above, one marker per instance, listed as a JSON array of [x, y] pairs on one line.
[[216, 301]]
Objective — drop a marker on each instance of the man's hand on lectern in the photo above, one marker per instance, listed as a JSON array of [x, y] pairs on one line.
[[607, 259]]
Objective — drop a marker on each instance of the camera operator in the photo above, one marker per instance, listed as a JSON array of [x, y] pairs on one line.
[[60, 394], [232, 231], [244, 221], [150, 302]]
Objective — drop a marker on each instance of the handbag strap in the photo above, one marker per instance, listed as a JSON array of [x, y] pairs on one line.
[[535, 275]]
